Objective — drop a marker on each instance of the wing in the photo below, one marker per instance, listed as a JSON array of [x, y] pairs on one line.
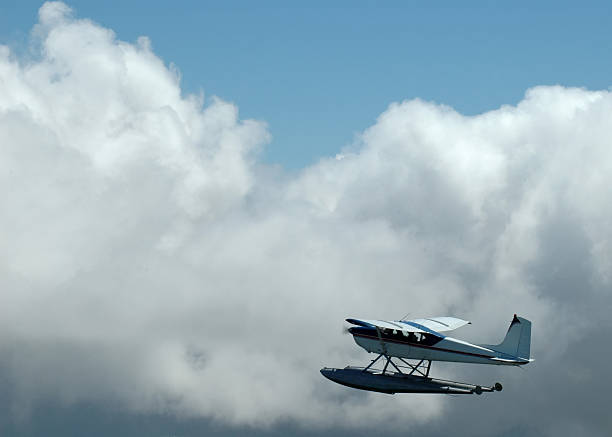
[[384, 325], [431, 325], [440, 324]]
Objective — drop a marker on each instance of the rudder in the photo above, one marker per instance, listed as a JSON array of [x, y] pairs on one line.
[[518, 339]]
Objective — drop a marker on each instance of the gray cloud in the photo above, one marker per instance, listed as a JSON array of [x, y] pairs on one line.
[[149, 261]]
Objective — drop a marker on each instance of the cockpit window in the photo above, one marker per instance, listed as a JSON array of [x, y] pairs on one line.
[[410, 337]]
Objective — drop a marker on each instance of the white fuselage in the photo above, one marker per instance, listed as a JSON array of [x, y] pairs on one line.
[[444, 349]]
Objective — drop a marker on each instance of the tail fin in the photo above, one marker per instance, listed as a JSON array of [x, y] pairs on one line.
[[518, 339]]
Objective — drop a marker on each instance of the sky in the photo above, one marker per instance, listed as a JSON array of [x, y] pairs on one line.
[[338, 67], [195, 198]]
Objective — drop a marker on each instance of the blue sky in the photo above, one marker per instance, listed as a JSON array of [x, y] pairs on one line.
[[319, 74]]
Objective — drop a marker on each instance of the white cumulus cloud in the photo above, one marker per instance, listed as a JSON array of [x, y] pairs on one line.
[[148, 259]]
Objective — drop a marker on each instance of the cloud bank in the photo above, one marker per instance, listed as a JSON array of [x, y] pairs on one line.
[[149, 260]]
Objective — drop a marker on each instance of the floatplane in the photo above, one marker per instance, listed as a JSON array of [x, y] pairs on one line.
[[414, 344]]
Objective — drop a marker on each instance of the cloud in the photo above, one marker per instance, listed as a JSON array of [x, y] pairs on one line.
[[150, 260]]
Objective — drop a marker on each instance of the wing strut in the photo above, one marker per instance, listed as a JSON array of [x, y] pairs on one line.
[[383, 346], [393, 364], [386, 364], [372, 363], [417, 367]]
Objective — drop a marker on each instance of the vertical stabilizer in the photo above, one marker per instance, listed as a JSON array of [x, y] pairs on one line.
[[518, 339]]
